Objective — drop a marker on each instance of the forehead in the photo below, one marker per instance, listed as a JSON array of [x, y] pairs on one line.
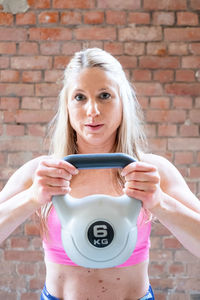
[[93, 78]]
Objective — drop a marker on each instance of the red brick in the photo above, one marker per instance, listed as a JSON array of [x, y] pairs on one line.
[[31, 103], [94, 17], [115, 17], [189, 130], [148, 89], [197, 102], [187, 18], [194, 115], [167, 130], [176, 268], [171, 243], [173, 116], [182, 102], [48, 17], [7, 48], [178, 48], [31, 76], [115, 48], [95, 33], [27, 48], [182, 158], [50, 48], [32, 229], [195, 4], [127, 61], [15, 130], [191, 62], [19, 243], [25, 256], [160, 102], [54, 34], [152, 62], [32, 62], [53, 76], [7, 89], [138, 18], [132, 48], [30, 116], [141, 75], [142, 34], [185, 75], [36, 130], [165, 5], [6, 19], [9, 76], [11, 102], [4, 62], [47, 89], [182, 34], [128, 4], [183, 89], [163, 18], [71, 18], [184, 143], [73, 4], [195, 48], [157, 269], [164, 75], [60, 62], [26, 269], [28, 18], [40, 4], [17, 159], [69, 48]]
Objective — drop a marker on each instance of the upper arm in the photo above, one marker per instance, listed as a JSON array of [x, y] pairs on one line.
[[21, 180], [173, 183]]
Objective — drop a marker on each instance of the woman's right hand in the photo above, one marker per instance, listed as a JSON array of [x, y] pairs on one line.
[[52, 177]]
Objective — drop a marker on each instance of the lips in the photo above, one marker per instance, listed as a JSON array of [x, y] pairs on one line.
[[94, 126]]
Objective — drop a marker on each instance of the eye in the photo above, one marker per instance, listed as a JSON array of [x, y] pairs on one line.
[[104, 95], [79, 97]]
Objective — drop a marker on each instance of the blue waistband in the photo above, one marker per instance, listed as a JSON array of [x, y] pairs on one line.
[[46, 296]]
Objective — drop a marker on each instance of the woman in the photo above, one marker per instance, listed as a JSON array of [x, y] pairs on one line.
[[98, 113]]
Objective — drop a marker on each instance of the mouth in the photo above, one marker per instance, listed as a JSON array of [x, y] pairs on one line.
[[94, 126]]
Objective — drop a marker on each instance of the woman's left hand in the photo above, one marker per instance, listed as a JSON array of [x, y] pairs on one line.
[[143, 183]]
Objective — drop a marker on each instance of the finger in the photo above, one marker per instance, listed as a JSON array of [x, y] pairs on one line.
[[139, 167], [53, 182], [137, 185], [61, 164], [143, 176], [44, 171]]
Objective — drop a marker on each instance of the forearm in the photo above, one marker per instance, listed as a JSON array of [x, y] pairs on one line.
[[184, 223], [14, 212]]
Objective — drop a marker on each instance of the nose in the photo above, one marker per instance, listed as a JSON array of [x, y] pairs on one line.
[[92, 108]]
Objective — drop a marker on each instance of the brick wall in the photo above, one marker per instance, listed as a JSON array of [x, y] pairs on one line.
[[158, 43]]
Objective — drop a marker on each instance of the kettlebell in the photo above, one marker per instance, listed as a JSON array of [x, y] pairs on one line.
[[98, 231]]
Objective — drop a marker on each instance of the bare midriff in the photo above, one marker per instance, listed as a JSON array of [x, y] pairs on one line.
[[78, 283]]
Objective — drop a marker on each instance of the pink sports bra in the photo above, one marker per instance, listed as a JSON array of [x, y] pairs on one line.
[[54, 251]]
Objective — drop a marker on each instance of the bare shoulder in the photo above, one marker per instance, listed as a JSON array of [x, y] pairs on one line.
[[169, 174], [21, 179], [172, 182]]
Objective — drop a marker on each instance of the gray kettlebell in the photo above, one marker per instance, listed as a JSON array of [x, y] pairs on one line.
[[98, 231]]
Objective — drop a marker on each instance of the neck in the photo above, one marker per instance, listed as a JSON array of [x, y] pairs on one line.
[[84, 148]]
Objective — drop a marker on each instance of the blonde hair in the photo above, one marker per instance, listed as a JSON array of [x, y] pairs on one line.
[[130, 136]]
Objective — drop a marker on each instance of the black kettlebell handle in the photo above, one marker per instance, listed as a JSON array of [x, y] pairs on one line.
[[99, 161]]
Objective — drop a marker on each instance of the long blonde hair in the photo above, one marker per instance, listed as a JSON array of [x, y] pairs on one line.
[[130, 136]]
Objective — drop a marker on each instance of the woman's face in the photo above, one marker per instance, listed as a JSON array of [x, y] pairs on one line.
[[95, 109]]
